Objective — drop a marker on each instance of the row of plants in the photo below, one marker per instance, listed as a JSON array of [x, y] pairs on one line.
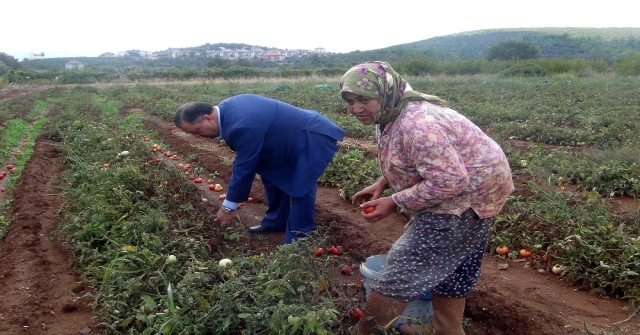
[[143, 239], [16, 147]]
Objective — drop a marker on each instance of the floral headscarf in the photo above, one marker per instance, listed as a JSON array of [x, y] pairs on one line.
[[377, 80]]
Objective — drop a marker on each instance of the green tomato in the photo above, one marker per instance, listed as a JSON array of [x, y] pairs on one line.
[[225, 262]]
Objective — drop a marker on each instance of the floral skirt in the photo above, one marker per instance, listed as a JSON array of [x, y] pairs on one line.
[[439, 254]]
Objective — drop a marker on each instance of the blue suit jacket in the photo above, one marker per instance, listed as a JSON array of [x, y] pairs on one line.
[[284, 144]]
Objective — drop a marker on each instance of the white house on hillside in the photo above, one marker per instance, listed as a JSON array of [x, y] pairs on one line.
[[74, 64]]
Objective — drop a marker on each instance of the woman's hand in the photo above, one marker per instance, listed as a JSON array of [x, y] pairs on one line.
[[383, 207], [371, 192]]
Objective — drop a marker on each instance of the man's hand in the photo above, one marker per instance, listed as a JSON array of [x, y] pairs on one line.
[[224, 218]]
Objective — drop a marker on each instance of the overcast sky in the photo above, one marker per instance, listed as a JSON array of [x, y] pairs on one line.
[[72, 28]]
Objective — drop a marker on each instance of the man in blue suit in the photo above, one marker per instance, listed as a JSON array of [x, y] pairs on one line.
[[287, 146]]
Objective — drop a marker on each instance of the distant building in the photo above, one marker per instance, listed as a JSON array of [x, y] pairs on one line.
[[33, 56], [273, 56], [74, 64]]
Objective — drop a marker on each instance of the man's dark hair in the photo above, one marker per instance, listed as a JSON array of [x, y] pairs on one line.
[[191, 112]]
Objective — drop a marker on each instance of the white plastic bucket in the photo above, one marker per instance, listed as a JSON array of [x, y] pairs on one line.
[[420, 309]]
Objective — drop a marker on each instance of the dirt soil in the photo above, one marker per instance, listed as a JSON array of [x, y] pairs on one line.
[[41, 294]]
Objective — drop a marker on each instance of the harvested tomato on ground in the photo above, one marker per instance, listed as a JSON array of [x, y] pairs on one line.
[[335, 250], [356, 314], [346, 270]]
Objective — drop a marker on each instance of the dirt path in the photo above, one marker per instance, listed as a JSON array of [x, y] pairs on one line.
[[39, 288]]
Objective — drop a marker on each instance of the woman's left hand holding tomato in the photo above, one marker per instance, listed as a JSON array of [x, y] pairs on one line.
[[383, 208]]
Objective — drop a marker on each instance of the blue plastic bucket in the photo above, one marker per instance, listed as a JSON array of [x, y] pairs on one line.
[[420, 309]]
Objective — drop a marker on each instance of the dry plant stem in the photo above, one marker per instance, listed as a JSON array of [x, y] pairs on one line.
[[630, 316]]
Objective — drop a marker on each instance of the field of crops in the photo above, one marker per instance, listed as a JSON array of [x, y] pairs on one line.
[[140, 227]]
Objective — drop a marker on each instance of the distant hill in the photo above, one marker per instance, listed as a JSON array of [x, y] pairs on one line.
[[588, 43], [578, 43], [574, 43]]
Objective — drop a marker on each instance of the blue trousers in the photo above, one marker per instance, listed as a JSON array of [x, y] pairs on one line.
[[293, 215]]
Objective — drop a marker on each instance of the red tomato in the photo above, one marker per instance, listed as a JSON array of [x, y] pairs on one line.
[[318, 251], [212, 187], [9, 166], [346, 270], [502, 250], [524, 253], [356, 314], [222, 196], [197, 180], [105, 165], [368, 210], [335, 250]]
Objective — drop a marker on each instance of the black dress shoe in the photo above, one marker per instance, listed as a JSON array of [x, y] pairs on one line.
[[259, 229]]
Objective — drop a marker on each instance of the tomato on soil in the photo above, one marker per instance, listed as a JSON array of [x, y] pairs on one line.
[[346, 270], [197, 180], [212, 187], [335, 250], [356, 314]]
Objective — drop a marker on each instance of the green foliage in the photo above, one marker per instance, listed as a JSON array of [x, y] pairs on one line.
[[512, 50], [628, 64], [350, 172], [526, 70], [4, 69], [9, 61]]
